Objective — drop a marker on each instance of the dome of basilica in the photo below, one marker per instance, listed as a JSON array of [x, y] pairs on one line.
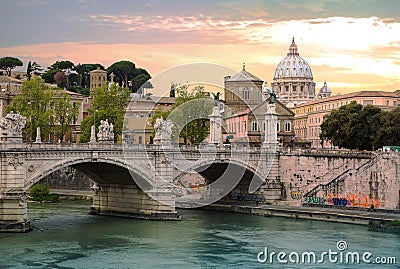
[[293, 66]]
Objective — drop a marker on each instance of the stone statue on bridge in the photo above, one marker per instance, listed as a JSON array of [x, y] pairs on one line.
[[11, 127], [163, 130], [106, 131]]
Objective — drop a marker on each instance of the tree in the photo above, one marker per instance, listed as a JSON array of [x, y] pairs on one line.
[[353, 126], [389, 133], [189, 114], [65, 113], [9, 63], [60, 78], [83, 73], [128, 75], [36, 68], [108, 103], [48, 76], [29, 70], [34, 103]]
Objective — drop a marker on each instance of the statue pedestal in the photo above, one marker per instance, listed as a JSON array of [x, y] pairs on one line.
[[271, 134], [216, 127], [11, 128]]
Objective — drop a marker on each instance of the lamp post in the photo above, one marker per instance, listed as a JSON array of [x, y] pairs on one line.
[[94, 118], [187, 121], [30, 122]]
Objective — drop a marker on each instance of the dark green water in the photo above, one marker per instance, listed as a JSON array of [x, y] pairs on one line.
[[74, 239]]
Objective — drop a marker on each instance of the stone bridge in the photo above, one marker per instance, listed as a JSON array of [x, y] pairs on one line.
[[131, 180]]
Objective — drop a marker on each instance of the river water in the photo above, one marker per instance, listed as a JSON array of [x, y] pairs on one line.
[[74, 239]]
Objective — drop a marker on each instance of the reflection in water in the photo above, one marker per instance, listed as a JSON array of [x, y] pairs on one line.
[[74, 239]]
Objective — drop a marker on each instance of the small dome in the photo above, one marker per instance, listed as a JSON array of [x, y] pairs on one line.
[[325, 89], [293, 66]]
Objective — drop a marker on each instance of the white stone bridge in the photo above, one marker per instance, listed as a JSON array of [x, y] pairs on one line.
[[131, 180]]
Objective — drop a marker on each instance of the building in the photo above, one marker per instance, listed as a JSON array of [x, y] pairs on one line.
[[9, 88], [98, 78], [249, 126], [138, 117], [245, 108], [309, 116], [293, 79], [242, 91]]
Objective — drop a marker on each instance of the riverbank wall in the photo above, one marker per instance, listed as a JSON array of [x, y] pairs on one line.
[[359, 217]]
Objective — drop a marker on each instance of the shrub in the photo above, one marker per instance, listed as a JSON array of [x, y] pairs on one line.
[[41, 192]]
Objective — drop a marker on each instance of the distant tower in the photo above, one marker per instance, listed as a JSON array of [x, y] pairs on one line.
[[293, 79], [98, 78], [242, 91]]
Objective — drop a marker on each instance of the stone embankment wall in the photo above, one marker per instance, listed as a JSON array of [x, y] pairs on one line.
[[351, 179], [68, 178]]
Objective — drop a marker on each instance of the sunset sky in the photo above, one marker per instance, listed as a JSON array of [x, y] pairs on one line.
[[352, 44]]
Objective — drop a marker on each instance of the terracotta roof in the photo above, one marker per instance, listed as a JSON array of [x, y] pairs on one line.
[[163, 100], [6, 79], [351, 95]]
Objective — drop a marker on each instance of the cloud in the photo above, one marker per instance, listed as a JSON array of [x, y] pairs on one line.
[[32, 3]]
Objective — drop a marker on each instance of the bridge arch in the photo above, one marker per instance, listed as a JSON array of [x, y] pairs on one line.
[[100, 171], [202, 166]]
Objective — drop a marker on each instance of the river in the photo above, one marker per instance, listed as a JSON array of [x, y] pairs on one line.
[[74, 239]]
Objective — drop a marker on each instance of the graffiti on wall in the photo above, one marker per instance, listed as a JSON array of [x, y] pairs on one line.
[[316, 200], [247, 197], [296, 194], [351, 199]]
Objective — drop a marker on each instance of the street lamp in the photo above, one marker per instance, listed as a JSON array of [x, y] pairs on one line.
[[30, 121], [187, 120], [94, 118]]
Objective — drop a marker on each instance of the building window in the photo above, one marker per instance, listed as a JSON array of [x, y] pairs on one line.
[[394, 103], [387, 103], [288, 126], [238, 127], [263, 126], [254, 126], [246, 94], [368, 102], [140, 140], [278, 126]]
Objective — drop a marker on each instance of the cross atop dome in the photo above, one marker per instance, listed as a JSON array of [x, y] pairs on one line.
[[244, 67], [293, 48]]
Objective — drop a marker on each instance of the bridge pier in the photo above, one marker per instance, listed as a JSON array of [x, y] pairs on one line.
[[131, 201], [13, 213]]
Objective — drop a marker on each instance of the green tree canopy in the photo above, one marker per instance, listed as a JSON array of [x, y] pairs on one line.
[[9, 63], [189, 114], [65, 113], [128, 75], [34, 103], [353, 126], [108, 103], [48, 76], [51, 110], [389, 133]]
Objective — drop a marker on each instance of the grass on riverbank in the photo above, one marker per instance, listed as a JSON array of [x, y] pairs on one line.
[[389, 227]]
